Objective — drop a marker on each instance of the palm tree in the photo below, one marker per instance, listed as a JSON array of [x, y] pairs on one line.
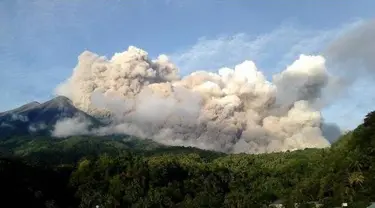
[[356, 178]]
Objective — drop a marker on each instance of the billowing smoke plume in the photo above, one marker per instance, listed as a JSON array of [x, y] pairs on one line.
[[356, 47], [233, 110], [351, 56]]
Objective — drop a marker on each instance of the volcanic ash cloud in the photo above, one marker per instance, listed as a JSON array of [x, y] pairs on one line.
[[233, 110]]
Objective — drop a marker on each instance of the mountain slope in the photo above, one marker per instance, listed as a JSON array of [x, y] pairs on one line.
[[21, 109], [39, 118]]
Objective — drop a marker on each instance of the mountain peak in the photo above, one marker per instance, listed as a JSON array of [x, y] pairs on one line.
[[47, 113], [61, 99], [59, 102]]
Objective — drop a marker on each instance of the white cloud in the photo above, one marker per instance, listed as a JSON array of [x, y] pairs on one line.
[[71, 126], [285, 43]]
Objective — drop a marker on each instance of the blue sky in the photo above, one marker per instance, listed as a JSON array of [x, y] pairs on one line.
[[41, 39]]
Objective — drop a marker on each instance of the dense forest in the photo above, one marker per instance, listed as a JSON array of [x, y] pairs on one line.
[[118, 171]]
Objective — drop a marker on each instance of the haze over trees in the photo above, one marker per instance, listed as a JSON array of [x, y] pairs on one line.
[[119, 171]]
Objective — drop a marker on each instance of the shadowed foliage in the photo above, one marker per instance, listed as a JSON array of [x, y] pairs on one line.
[[122, 171]]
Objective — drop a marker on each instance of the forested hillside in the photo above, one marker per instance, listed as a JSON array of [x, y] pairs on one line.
[[128, 172]]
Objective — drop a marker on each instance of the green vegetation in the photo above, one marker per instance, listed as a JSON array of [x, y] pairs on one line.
[[127, 172]]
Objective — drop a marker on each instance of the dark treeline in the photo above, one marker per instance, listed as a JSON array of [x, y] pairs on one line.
[[111, 172]]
